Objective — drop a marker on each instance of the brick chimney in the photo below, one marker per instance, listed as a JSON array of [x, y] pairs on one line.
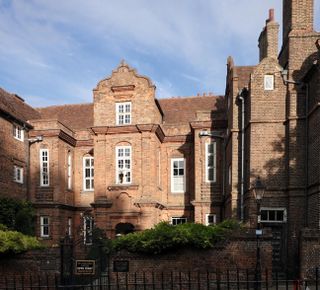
[[297, 15], [268, 40]]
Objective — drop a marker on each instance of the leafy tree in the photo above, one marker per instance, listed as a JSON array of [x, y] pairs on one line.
[[17, 215]]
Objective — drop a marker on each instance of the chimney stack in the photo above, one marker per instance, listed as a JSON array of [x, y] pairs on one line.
[[268, 40]]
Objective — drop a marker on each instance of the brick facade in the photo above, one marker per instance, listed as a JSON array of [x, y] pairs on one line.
[[266, 126]]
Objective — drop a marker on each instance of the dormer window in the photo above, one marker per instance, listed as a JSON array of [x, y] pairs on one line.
[[269, 82], [123, 113]]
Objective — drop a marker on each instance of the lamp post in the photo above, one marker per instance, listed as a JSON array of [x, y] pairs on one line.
[[258, 191]]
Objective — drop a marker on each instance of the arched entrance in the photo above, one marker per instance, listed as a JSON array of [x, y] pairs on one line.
[[124, 228]]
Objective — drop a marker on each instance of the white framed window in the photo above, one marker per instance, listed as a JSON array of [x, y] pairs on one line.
[[211, 219], [178, 176], [269, 82], [123, 168], [211, 161], [44, 167], [178, 220], [273, 215], [88, 223], [18, 174], [69, 171], [44, 227], [88, 173], [18, 132], [69, 229], [123, 113]]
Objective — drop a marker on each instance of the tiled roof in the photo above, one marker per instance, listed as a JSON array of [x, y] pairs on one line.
[[175, 110], [16, 107], [183, 110], [79, 116], [243, 73]]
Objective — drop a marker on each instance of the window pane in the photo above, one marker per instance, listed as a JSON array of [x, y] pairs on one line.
[[120, 108], [181, 172], [272, 215], [128, 108], [280, 215], [264, 215], [210, 174], [210, 160]]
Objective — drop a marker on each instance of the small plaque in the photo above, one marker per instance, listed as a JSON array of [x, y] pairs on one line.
[[258, 232], [120, 266], [85, 267]]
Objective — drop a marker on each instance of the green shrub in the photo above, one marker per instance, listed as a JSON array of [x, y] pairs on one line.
[[13, 242], [17, 215], [165, 237]]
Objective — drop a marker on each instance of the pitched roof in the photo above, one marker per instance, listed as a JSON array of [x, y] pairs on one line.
[[15, 106], [243, 73], [78, 116], [183, 110], [175, 111]]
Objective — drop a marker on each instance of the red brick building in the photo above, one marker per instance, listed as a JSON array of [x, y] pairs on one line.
[[127, 160]]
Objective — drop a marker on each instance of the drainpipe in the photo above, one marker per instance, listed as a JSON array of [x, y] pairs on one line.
[[241, 98], [306, 155]]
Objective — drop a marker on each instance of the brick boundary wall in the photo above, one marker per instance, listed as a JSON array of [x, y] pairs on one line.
[[309, 252], [35, 262], [238, 253]]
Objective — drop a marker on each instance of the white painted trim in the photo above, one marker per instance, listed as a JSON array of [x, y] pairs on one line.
[[268, 82], [214, 162], [125, 170], [123, 114], [41, 167], [184, 175], [178, 218], [15, 171], [42, 225], [274, 209], [69, 171], [84, 173], [214, 219], [16, 130]]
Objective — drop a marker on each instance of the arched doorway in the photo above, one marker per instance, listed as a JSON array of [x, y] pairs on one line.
[[124, 228]]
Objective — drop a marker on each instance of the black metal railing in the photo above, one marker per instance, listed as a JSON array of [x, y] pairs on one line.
[[235, 279]]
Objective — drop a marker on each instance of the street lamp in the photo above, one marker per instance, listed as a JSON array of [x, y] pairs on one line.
[[258, 191]]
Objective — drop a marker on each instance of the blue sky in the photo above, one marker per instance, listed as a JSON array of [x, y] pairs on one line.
[[56, 51]]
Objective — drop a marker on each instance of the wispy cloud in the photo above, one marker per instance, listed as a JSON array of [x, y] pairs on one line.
[[58, 50]]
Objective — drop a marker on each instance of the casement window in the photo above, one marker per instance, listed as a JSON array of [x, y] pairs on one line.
[[269, 82], [124, 168], [273, 215], [178, 176], [88, 173], [18, 174], [18, 132], [44, 167], [69, 171], [178, 220], [123, 113], [69, 229], [88, 223], [211, 219], [44, 227], [211, 161]]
